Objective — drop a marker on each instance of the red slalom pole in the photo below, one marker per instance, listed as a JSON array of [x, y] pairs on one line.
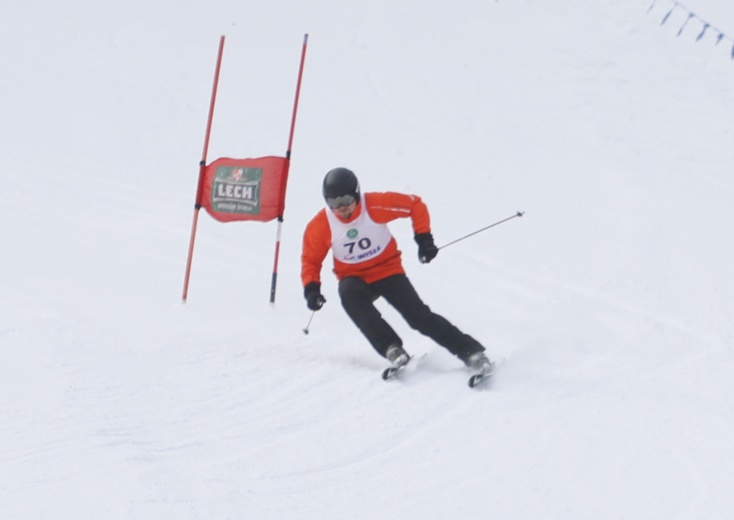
[[202, 169], [298, 91], [274, 278]]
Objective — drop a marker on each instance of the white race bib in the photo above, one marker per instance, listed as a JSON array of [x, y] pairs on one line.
[[357, 241]]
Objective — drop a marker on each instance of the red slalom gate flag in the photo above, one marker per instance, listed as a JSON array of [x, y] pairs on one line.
[[245, 189]]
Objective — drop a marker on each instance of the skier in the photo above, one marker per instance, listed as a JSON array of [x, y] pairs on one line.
[[368, 266]]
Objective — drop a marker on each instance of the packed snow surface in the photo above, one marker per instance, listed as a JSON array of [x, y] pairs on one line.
[[608, 304]]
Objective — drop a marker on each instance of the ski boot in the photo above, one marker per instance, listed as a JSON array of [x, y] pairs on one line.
[[398, 357]]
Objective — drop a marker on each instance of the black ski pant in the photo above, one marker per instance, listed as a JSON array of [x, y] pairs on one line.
[[358, 299]]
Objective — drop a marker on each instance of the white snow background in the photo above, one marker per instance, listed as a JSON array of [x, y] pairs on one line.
[[609, 303]]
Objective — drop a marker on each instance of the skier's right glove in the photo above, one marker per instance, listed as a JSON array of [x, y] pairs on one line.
[[314, 299]]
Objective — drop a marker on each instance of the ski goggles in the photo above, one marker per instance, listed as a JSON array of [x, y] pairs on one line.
[[340, 202]]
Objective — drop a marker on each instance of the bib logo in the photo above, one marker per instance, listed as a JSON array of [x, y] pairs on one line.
[[236, 189], [352, 233]]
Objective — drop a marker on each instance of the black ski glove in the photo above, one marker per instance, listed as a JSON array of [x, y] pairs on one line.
[[314, 299], [427, 250]]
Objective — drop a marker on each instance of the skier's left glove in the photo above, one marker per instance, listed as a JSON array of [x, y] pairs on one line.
[[314, 299], [427, 250]]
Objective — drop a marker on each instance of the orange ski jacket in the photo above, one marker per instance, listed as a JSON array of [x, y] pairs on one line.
[[382, 207]]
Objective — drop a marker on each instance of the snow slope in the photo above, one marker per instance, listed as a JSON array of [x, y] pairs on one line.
[[609, 302]]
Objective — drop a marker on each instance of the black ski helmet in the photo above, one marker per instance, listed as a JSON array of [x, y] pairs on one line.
[[340, 181]]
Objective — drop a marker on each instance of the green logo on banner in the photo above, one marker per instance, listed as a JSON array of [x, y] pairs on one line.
[[236, 189], [352, 233]]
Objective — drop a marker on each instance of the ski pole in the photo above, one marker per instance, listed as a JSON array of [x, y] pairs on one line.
[[518, 214], [306, 329]]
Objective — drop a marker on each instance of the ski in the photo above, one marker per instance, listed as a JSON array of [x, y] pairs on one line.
[[480, 377], [391, 373]]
